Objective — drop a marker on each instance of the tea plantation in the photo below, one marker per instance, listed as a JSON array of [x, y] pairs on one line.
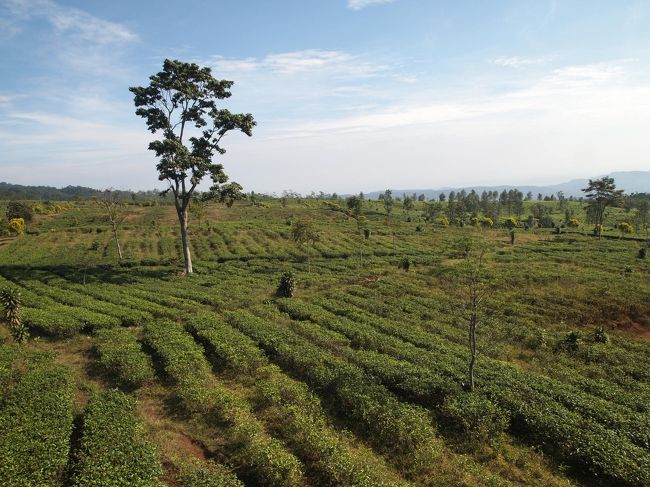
[[354, 373]]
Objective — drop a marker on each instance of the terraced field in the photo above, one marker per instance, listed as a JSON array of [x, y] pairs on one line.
[[136, 375]]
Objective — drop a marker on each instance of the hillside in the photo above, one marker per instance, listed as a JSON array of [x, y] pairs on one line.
[[356, 380]]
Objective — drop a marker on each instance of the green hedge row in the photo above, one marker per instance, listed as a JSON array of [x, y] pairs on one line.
[[62, 320], [120, 356], [428, 372], [295, 412], [185, 364], [36, 419], [403, 430], [195, 473], [113, 450], [55, 290]]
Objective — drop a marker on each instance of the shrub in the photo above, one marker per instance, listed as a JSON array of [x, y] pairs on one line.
[[572, 341], [287, 286], [573, 223], [642, 253], [476, 416], [444, 221], [487, 222], [11, 313], [600, 335], [18, 210], [366, 233], [625, 227], [546, 221], [404, 263], [35, 425], [195, 473], [510, 222], [17, 226], [113, 450], [121, 357]]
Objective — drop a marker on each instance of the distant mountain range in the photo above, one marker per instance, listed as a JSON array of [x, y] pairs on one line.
[[630, 181]]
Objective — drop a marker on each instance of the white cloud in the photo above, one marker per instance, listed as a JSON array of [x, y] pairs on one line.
[[361, 4], [71, 21], [515, 61], [297, 62]]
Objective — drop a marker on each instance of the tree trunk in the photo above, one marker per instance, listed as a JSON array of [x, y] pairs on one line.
[[182, 218], [472, 344], [117, 242]]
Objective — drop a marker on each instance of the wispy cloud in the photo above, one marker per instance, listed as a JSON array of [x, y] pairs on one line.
[[562, 94], [361, 4], [70, 21], [297, 62], [516, 61]]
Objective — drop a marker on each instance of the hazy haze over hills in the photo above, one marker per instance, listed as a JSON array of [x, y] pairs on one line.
[[630, 181]]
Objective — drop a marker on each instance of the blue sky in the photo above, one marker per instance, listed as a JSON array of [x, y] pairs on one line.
[[349, 95]]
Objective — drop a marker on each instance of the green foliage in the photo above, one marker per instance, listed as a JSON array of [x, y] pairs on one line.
[[388, 423], [287, 285], [404, 263], [184, 363], [35, 425], [304, 232], [195, 473], [120, 356], [11, 303], [600, 335], [476, 416], [181, 101], [572, 341], [113, 449], [601, 193], [18, 211]]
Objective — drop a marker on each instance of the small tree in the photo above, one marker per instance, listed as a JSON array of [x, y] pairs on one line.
[[197, 210], [11, 303], [408, 204], [180, 99], [116, 212], [478, 288], [304, 233], [387, 200], [600, 194]]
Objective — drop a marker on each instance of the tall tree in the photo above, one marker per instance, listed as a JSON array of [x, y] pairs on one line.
[[600, 194], [181, 102]]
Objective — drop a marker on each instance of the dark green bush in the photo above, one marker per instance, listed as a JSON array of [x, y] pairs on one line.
[[476, 416], [404, 263], [113, 450], [287, 286], [600, 335]]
